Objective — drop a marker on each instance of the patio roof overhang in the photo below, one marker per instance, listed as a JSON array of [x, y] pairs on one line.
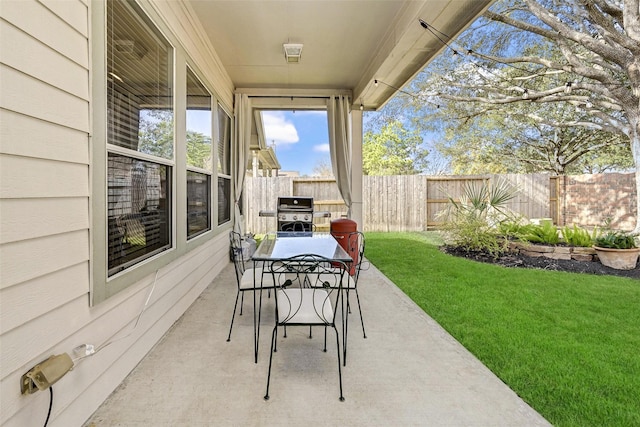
[[346, 44], [267, 161]]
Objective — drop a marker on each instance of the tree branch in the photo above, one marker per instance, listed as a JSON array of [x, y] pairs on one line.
[[608, 126], [612, 52]]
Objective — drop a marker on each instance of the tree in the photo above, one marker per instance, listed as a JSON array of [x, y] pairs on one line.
[[393, 151], [199, 150], [582, 54], [155, 136], [322, 168], [488, 144]]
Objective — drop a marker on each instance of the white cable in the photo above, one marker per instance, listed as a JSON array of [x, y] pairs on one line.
[[89, 351]]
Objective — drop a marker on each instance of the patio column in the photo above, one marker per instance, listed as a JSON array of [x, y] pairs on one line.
[[356, 168]]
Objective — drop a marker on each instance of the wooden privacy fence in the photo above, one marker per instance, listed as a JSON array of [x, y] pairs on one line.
[[394, 203], [413, 202], [262, 194]]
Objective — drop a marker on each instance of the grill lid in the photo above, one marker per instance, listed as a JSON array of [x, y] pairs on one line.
[[298, 204]]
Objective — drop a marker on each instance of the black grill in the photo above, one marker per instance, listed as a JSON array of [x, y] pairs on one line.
[[295, 213]]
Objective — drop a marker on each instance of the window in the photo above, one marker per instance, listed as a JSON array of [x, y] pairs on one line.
[[199, 156], [224, 166], [138, 210], [139, 137]]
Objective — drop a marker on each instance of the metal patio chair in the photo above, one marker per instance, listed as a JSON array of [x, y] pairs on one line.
[[308, 291], [254, 280], [355, 247]]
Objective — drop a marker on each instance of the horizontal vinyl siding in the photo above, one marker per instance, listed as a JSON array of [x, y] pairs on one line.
[[72, 12], [92, 380], [33, 218], [45, 206], [43, 63], [37, 20], [25, 177], [28, 259], [44, 191], [24, 94], [26, 136], [33, 298]]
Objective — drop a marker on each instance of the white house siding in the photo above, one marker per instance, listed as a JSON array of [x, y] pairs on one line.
[[45, 216]]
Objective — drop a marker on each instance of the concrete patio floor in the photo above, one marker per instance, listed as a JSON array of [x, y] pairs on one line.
[[408, 372]]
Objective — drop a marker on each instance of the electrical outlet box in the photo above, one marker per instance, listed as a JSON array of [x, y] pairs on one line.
[[46, 373]]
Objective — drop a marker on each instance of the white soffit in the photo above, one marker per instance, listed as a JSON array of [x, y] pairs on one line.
[[347, 43]]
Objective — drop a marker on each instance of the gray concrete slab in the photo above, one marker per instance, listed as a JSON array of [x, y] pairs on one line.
[[408, 372]]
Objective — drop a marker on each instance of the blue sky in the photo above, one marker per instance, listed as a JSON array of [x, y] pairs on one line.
[[301, 139]]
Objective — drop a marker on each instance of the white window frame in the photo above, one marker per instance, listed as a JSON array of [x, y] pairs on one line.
[[103, 286], [206, 172], [221, 175]]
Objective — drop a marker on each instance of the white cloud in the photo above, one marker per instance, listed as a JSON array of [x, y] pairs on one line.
[[278, 129], [321, 148], [312, 112]]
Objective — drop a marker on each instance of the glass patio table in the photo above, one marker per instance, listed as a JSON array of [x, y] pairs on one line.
[[284, 244]]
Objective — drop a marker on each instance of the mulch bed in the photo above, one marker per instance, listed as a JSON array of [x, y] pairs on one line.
[[523, 261]]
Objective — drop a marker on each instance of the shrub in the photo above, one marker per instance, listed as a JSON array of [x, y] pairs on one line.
[[472, 223], [515, 229], [577, 236], [546, 233], [473, 234]]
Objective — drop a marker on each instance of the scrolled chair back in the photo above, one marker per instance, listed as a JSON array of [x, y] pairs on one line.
[[309, 288], [236, 253]]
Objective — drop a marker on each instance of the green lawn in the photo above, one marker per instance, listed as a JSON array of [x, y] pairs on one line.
[[568, 344]]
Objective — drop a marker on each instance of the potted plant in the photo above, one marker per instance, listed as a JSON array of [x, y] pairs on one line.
[[617, 249]]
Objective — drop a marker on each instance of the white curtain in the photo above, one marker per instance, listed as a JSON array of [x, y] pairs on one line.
[[242, 113], [338, 116]]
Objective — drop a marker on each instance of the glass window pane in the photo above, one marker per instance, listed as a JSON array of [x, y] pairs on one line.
[[224, 142], [199, 132], [224, 200], [198, 203], [139, 83], [139, 213]]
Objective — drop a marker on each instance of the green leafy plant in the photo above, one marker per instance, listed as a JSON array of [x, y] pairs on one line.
[[474, 235], [516, 229], [545, 232], [616, 240], [472, 223], [577, 236]]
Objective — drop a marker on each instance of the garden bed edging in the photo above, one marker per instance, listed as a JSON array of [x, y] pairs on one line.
[[576, 253]]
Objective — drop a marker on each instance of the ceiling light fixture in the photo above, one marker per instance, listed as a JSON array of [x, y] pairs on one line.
[[131, 48], [292, 52]]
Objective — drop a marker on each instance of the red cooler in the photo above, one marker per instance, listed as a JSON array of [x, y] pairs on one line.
[[340, 230]]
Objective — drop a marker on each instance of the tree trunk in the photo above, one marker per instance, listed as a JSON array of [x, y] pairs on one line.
[[635, 149]]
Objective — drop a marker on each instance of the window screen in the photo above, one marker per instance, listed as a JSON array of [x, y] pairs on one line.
[[198, 203], [224, 200], [224, 167], [139, 211]]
